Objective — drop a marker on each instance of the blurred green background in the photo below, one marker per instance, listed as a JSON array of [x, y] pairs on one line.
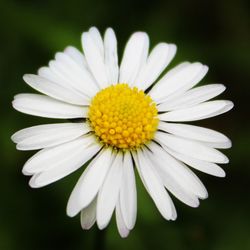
[[213, 32]]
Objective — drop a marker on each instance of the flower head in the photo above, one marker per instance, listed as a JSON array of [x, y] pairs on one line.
[[123, 117], [130, 118]]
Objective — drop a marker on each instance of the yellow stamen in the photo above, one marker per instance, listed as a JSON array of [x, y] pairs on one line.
[[123, 117]]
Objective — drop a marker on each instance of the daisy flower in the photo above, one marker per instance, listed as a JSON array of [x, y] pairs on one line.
[[130, 117]]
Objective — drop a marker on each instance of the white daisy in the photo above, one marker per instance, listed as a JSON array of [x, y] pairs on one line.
[[130, 118]]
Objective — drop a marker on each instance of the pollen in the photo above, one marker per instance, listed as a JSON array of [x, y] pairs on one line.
[[123, 117]]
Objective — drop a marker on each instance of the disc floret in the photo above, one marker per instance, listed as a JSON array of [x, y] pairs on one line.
[[123, 117]]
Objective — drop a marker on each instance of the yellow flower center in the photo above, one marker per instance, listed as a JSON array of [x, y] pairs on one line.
[[123, 117]]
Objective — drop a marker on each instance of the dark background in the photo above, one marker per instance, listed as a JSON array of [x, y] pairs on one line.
[[215, 33]]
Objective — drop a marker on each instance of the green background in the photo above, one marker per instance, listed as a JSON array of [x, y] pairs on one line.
[[215, 33]]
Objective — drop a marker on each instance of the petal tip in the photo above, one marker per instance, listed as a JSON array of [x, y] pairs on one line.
[[33, 182], [70, 211], [110, 31], [230, 105], [204, 195], [25, 172], [86, 226], [222, 174], [25, 77], [196, 204], [14, 137], [100, 225], [173, 47], [124, 234]]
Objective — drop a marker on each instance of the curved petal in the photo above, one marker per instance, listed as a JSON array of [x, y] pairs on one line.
[[76, 55], [97, 39], [95, 59], [154, 186], [225, 144], [192, 97], [59, 72], [190, 148], [109, 193], [204, 166], [134, 57], [181, 174], [122, 228], [111, 58], [55, 90], [178, 80], [53, 74], [179, 192], [52, 164], [158, 60], [49, 135], [78, 77], [79, 58], [171, 184], [128, 197], [198, 112], [90, 182], [194, 132], [44, 106], [88, 215]]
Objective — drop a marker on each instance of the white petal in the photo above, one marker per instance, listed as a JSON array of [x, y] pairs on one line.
[[190, 148], [76, 55], [178, 68], [177, 81], [157, 61], [192, 97], [178, 191], [58, 72], [225, 144], [79, 77], [128, 197], [52, 164], [44, 106], [111, 58], [198, 112], [49, 135], [88, 215], [171, 184], [95, 59], [97, 38], [90, 182], [181, 174], [134, 57], [55, 75], [108, 195], [153, 185], [55, 90], [204, 166], [194, 132], [122, 228]]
